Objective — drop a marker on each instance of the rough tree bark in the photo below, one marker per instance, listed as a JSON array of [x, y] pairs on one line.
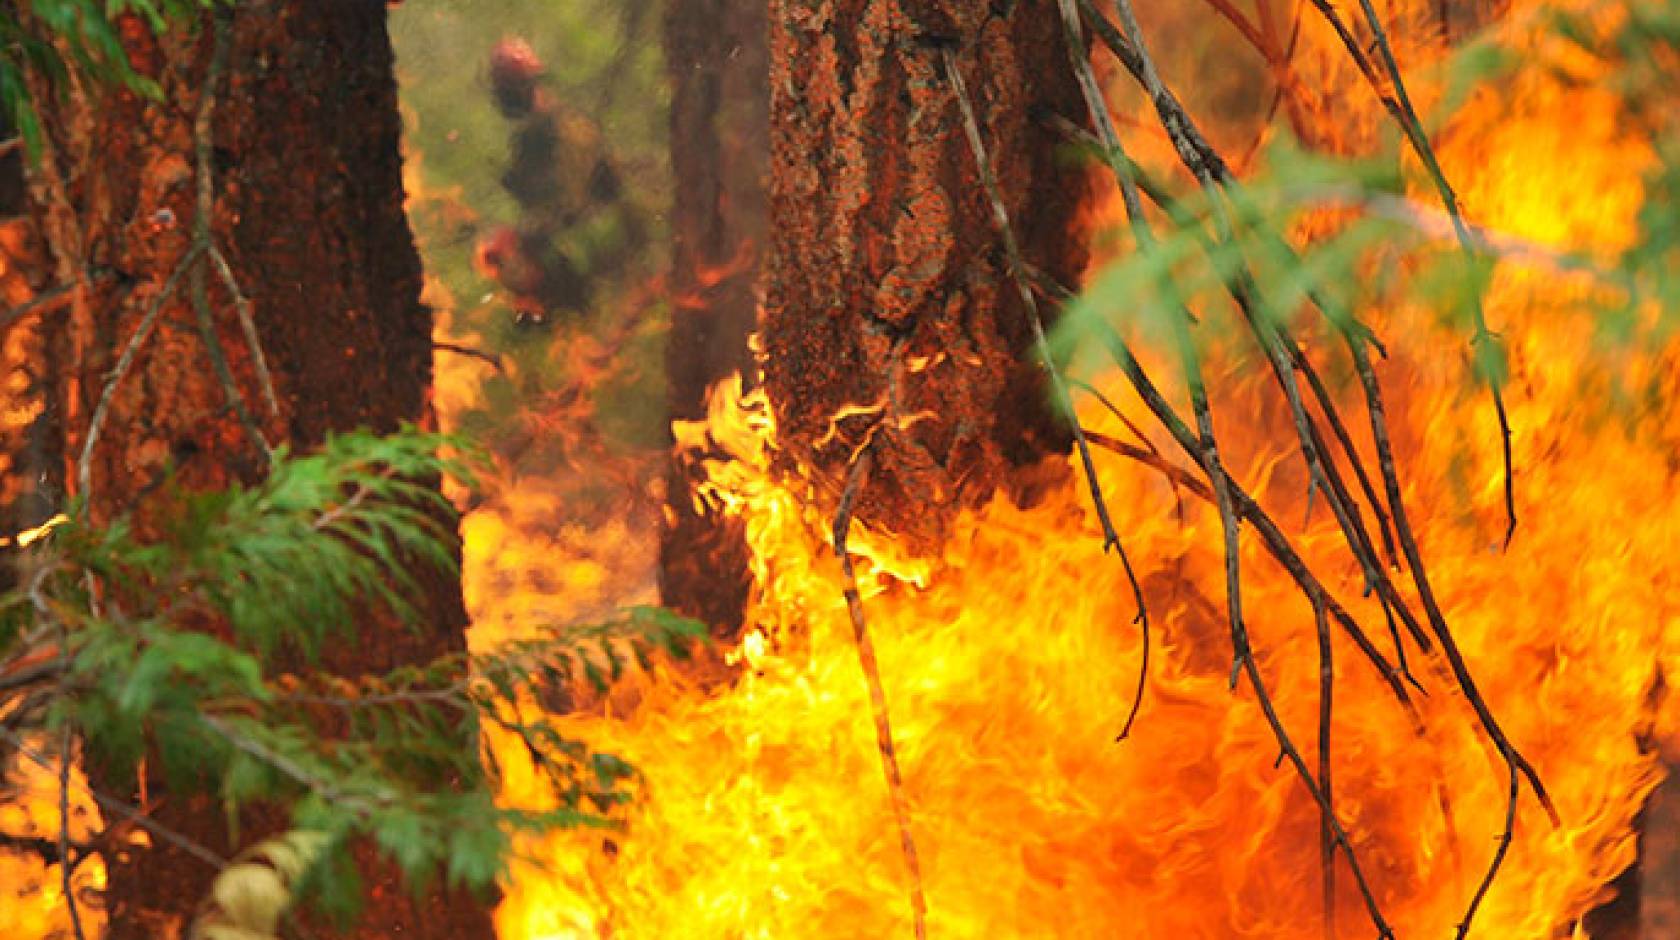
[[308, 210], [888, 310], [715, 54]]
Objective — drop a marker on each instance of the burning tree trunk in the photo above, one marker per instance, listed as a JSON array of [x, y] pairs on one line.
[[889, 314], [256, 206]]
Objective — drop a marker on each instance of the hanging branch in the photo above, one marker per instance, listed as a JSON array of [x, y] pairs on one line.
[[1199, 157], [1275, 540], [1029, 301], [1348, 513], [856, 476], [1152, 452], [1515, 762], [1399, 106], [1282, 352], [1356, 336], [1164, 200], [1185, 344], [125, 363], [1209, 458], [1376, 575], [1326, 837]]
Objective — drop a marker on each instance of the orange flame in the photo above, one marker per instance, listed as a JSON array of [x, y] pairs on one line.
[[1009, 660]]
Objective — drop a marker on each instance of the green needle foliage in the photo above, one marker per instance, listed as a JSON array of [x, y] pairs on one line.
[[189, 636], [1387, 248], [79, 36], [192, 647]]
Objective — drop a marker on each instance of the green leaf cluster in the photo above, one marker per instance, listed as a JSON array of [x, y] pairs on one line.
[[190, 640]]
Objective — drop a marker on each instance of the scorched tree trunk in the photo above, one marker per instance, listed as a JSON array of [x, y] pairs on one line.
[[307, 207], [889, 316]]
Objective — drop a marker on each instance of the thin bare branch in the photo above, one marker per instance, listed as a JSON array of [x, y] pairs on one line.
[[247, 326], [125, 363], [127, 812], [203, 240], [1399, 106], [1326, 702], [1029, 300], [473, 353], [856, 477]]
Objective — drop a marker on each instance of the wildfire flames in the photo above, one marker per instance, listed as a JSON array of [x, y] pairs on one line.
[[1008, 661]]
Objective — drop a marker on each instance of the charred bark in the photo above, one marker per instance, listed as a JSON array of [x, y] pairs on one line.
[[308, 211], [889, 314], [715, 53]]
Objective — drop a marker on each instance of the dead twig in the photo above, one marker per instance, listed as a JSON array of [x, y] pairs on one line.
[[125, 363], [1400, 108], [473, 353], [127, 812], [856, 476], [1149, 445], [247, 326], [203, 242], [1023, 284]]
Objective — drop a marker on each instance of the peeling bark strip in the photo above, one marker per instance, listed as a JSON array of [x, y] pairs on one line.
[[306, 206], [888, 309]]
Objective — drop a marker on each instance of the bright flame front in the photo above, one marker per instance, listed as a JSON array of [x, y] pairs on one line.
[[1009, 662]]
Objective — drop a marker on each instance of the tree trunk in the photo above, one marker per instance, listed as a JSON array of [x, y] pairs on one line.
[[889, 314], [715, 54], [308, 210]]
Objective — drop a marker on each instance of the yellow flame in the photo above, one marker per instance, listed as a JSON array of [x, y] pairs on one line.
[[30, 536], [1009, 660]]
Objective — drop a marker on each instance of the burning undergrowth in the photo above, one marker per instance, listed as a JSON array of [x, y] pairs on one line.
[[1010, 658]]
